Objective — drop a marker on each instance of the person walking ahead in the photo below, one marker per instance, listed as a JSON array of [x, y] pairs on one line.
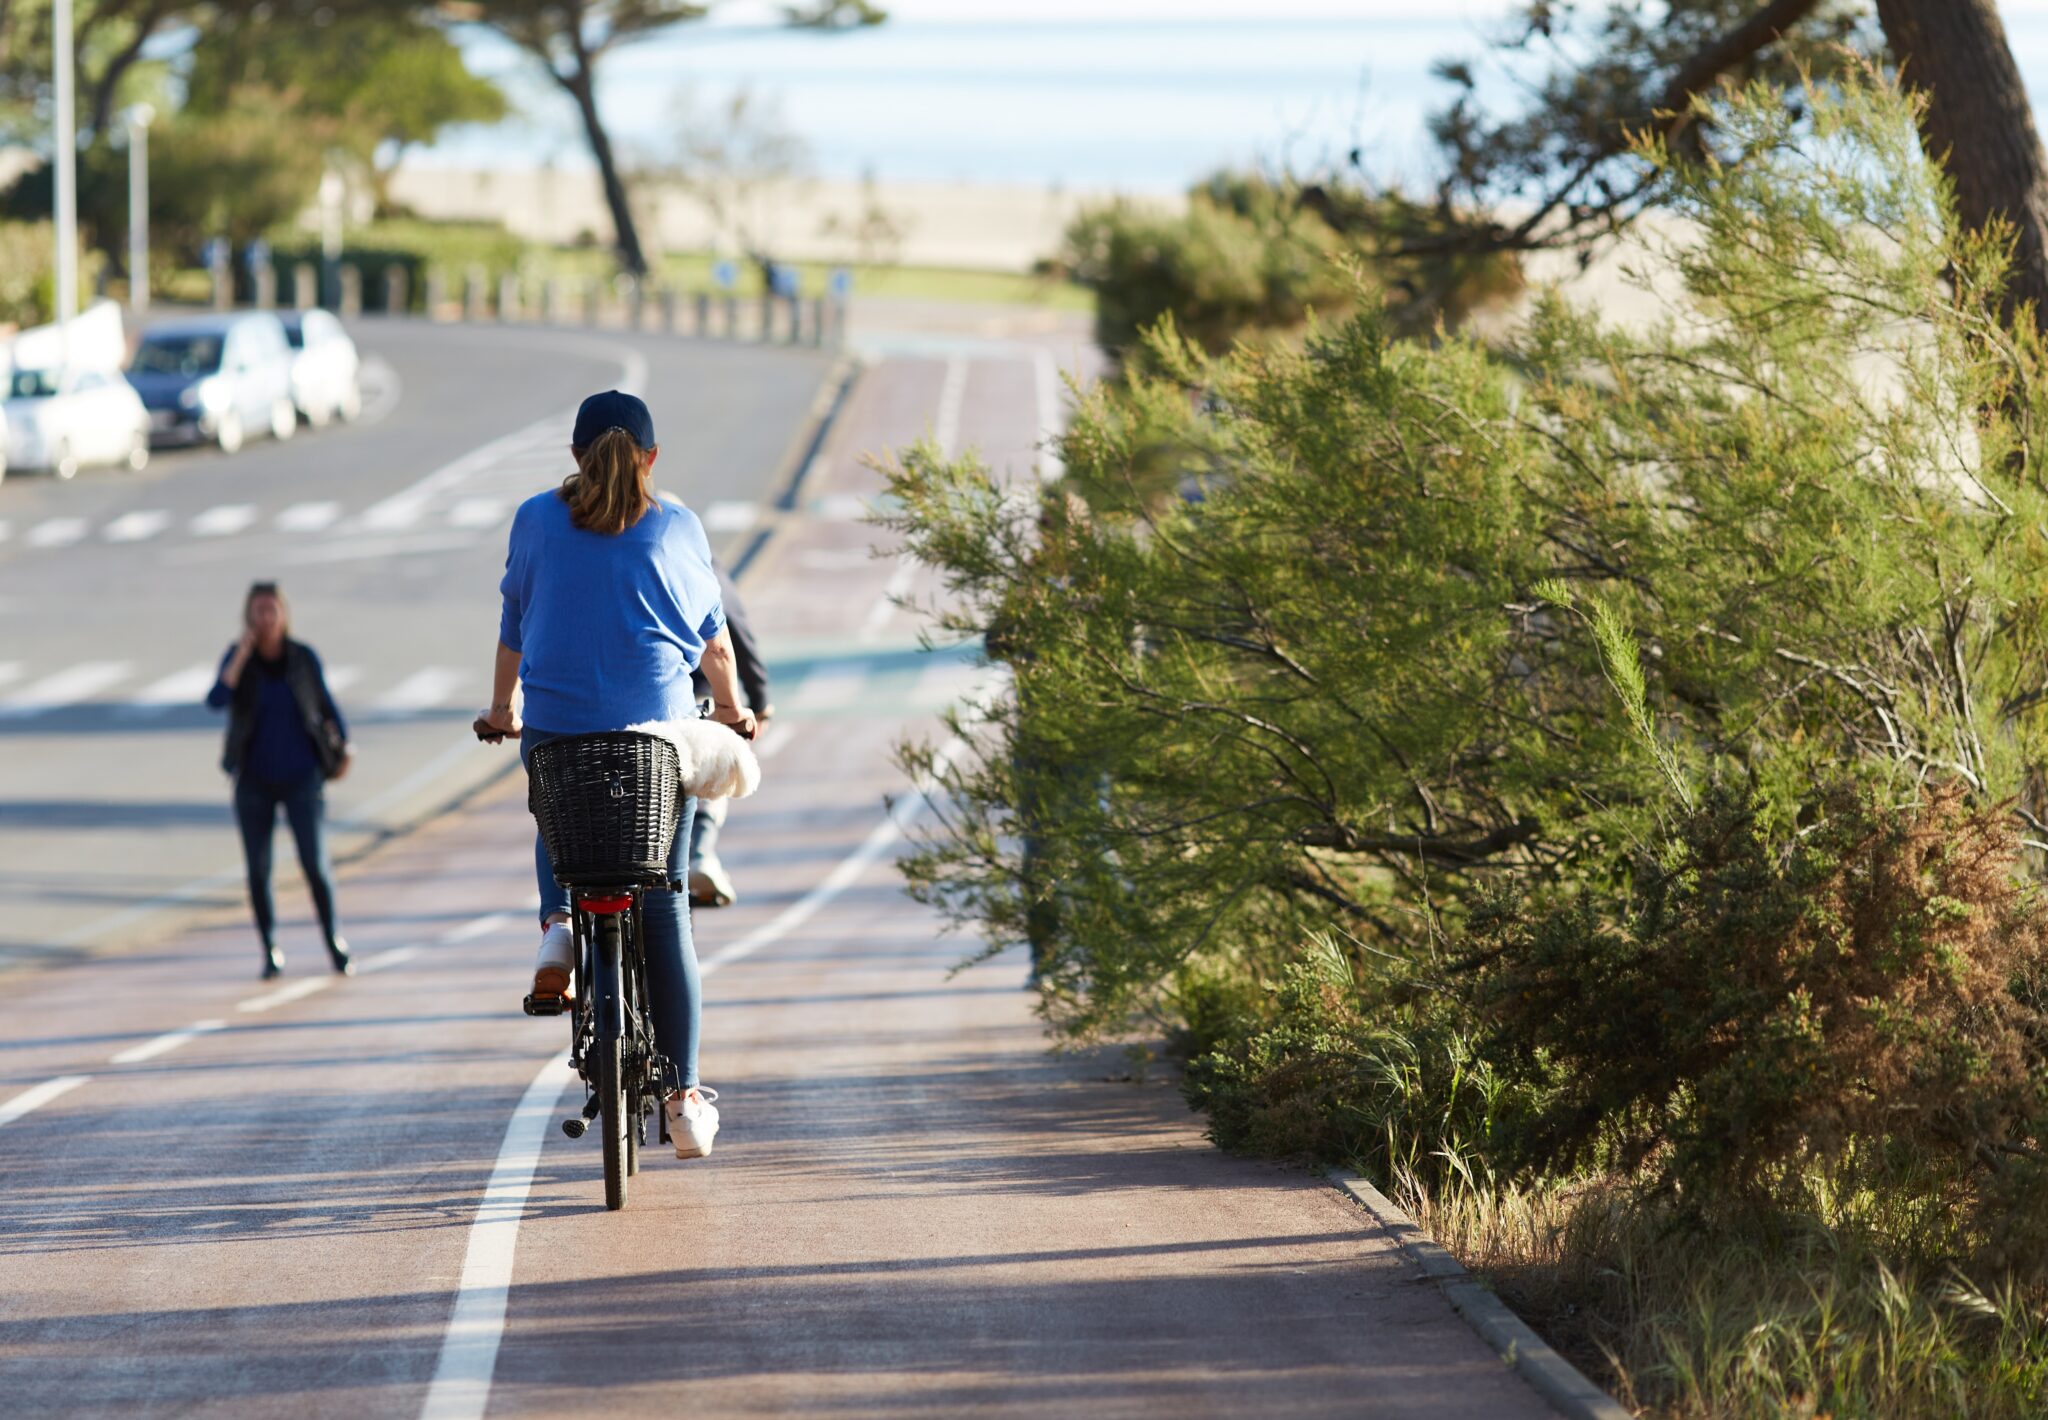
[[609, 602], [285, 740]]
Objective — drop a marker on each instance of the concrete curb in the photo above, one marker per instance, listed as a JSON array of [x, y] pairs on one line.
[[1527, 1354]]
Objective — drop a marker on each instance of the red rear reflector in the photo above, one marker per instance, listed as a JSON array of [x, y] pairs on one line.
[[605, 906]]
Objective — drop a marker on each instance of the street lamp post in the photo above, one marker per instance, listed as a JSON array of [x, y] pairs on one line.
[[66, 159], [139, 119]]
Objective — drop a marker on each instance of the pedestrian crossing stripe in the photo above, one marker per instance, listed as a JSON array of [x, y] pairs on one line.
[[138, 526], [227, 519], [57, 532]]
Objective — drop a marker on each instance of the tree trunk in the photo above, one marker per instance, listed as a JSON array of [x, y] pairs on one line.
[[1979, 125], [583, 89]]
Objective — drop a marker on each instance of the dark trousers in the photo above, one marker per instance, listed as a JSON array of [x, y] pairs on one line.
[[256, 804]]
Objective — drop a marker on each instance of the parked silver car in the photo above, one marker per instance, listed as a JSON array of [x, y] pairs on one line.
[[67, 420], [324, 368], [216, 378]]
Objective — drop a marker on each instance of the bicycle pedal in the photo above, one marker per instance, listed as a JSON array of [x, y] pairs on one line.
[[546, 1005]]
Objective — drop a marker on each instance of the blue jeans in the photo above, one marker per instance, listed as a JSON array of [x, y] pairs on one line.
[[672, 990], [256, 804]]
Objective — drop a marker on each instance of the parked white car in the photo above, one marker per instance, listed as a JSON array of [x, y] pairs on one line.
[[325, 367], [65, 421]]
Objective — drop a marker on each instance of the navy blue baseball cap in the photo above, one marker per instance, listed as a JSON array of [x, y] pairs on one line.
[[613, 409]]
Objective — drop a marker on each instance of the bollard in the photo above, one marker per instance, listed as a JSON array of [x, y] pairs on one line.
[[636, 303], [476, 304], [732, 317], [668, 309], [223, 285], [397, 292], [593, 298], [305, 287], [351, 289], [838, 323], [266, 287], [703, 305], [817, 320], [796, 319], [510, 306], [551, 300], [437, 293], [767, 331]]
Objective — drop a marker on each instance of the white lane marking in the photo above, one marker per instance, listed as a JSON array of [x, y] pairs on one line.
[[66, 687], [380, 960], [840, 508], [404, 507], [829, 688], [380, 387], [952, 398], [834, 559], [224, 521], [422, 690], [884, 609], [945, 683], [780, 733], [1051, 467], [364, 816], [9, 671], [187, 687], [36, 1096], [138, 526], [56, 532], [477, 513], [285, 995], [166, 1043], [731, 515], [308, 517], [340, 678], [469, 1351], [884, 837], [481, 926]]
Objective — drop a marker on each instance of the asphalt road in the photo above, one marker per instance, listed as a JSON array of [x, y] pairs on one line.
[[346, 1198], [120, 591]]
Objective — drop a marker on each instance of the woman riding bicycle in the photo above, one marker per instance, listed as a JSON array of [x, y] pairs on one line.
[[610, 602]]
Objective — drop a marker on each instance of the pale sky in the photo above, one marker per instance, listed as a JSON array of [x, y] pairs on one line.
[[1063, 11]]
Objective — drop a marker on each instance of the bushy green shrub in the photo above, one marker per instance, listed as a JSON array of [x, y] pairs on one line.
[[1761, 1001], [1249, 258]]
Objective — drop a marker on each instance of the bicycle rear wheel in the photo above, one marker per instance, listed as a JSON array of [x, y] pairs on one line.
[[611, 1084]]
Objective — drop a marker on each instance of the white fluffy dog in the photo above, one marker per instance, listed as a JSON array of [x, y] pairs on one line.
[[715, 763]]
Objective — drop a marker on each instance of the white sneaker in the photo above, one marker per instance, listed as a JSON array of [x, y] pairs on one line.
[[693, 1122], [709, 886], [556, 965]]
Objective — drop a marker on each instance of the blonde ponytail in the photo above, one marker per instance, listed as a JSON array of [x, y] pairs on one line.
[[608, 492]]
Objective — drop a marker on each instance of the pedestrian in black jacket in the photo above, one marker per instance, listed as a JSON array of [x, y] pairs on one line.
[[286, 738], [709, 885]]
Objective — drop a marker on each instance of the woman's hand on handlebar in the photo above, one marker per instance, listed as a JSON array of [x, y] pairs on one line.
[[737, 718], [497, 724]]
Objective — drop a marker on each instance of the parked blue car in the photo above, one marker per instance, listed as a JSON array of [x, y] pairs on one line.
[[216, 379]]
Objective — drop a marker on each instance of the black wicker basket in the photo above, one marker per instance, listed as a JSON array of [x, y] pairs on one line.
[[607, 806]]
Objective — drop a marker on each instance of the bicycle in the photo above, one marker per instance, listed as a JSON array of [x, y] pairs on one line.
[[607, 806]]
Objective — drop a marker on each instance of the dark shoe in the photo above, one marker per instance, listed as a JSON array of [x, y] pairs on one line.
[[273, 963], [337, 952]]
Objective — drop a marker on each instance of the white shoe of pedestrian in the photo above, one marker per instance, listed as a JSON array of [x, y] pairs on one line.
[[556, 965], [693, 1122], [709, 886]]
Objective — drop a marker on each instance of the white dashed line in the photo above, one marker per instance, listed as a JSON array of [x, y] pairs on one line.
[[187, 687], [477, 513], [167, 1042], [224, 521], [422, 690], [728, 515], [66, 687], [36, 1096], [308, 517], [381, 960], [285, 995], [138, 526], [829, 688], [470, 931], [884, 610], [56, 532]]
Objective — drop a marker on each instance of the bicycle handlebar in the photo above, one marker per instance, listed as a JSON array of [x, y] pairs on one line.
[[490, 735]]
